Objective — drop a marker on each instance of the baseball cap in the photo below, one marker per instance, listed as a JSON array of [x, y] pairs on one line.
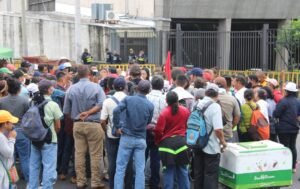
[[119, 83], [290, 86], [44, 85], [212, 86], [274, 82], [196, 72], [25, 64], [33, 88], [67, 65], [18, 74], [5, 70], [144, 86], [5, 116]]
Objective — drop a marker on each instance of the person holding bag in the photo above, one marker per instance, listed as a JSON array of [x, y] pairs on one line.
[[7, 141]]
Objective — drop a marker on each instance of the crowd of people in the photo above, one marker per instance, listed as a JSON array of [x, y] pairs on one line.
[[128, 128]]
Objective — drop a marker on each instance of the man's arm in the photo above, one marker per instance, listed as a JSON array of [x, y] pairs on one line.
[[218, 125], [67, 105], [86, 114], [158, 130], [236, 114], [104, 115], [57, 125], [100, 96]]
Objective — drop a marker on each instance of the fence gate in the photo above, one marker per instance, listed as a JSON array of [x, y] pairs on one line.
[[266, 49]]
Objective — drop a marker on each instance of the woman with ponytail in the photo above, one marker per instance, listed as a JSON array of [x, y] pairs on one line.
[[170, 137]]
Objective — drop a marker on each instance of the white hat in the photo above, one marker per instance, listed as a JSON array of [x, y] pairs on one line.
[[63, 58], [67, 65], [33, 88], [290, 86], [212, 86]]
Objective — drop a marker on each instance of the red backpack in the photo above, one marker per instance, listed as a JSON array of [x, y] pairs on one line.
[[259, 128]]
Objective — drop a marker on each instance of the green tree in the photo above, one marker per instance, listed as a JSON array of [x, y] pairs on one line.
[[288, 38]]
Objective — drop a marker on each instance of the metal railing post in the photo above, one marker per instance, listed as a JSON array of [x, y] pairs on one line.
[[125, 58], [179, 61], [265, 42]]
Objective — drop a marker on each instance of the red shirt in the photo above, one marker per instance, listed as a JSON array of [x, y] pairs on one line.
[[277, 95], [169, 125]]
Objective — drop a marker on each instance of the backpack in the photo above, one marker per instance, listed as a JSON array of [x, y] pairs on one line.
[[34, 126], [114, 129], [259, 126], [197, 136]]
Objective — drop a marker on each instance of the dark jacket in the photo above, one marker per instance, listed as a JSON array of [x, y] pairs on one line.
[[287, 110]]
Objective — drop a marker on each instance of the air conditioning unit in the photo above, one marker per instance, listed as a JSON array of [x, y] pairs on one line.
[[111, 16]]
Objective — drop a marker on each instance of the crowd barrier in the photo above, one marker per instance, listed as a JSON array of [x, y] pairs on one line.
[[281, 76], [124, 67]]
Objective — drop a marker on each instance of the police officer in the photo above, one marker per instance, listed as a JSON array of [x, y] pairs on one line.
[[86, 57], [141, 58]]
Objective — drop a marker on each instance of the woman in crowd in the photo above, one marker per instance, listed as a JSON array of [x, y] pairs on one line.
[[7, 141], [170, 137], [288, 111], [247, 109], [145, 74], [271, 108], [260, 99]]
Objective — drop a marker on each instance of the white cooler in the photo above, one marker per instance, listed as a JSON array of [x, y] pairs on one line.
[[256, 165]]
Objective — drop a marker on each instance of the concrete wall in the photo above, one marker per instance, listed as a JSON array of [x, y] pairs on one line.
[[239, 9], [140, 8], [53, 38]]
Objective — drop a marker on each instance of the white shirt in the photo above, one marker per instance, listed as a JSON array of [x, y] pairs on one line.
[[240, 95], [213, 119], [107, 111], [182, 93], [159, 101], [263, 107]]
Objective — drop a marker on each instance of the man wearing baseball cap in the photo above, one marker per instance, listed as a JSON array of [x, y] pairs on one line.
[[7, 142], [139, 112], [45, 153], [112, 141], [25, 65]]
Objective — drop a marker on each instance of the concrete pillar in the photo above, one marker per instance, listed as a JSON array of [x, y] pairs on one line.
[[281, 52], [162, 24], [223, 44]]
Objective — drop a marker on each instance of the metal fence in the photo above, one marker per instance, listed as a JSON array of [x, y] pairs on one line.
[[266, 49], [147, 41]]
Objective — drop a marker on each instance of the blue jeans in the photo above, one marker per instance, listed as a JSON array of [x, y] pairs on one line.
[[154, 161], [180, 172], [131, 146], [22, 148], [47, 156]]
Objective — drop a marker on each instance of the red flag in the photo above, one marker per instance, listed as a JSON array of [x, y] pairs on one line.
[[168, 67]]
